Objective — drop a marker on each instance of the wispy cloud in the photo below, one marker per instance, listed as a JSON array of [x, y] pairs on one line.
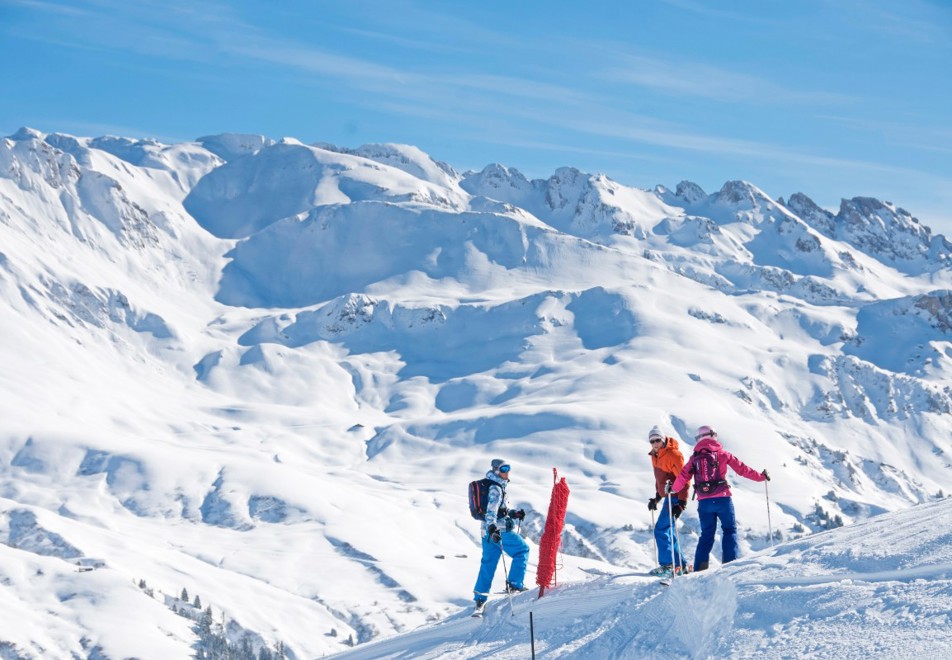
[[912, 134], [747, 149], [699, 80], [914, 22], [317, 61], [46, 7], [714, 12], [170, 31]]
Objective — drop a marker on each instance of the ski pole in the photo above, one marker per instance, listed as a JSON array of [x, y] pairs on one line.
[[653, 539], [769, 526], [502, 553], [677, 536], [671, 529]]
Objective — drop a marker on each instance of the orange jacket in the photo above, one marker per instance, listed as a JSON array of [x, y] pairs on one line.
[[667, 464]]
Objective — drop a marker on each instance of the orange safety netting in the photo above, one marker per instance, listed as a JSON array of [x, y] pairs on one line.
[[552, 534]]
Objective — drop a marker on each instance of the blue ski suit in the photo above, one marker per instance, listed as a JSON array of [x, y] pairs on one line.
[[513, 544]]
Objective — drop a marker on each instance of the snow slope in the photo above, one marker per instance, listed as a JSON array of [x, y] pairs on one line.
[[263, 372], [880, 588]]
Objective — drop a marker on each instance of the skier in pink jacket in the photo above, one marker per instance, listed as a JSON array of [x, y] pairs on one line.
[[708, 465]]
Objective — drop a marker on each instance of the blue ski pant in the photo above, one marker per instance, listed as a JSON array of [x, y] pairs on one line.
[[516, 547], [666, 538], [709, 511]]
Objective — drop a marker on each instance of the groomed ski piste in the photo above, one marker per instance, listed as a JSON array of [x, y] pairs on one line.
[[881, 588]]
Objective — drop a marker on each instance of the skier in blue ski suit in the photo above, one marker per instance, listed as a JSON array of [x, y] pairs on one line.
[[497, 536]]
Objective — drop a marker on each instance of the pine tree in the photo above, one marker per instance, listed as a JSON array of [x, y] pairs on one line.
[[205, 624], [197, 603], [184, 596]]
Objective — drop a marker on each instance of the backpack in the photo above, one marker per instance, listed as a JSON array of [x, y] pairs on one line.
[[479, 498], [707, 478]]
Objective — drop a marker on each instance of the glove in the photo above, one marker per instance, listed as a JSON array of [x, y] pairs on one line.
[[766, 476], [677, 508], [653, 503], [493, 533], [667, 488], [519, 514]]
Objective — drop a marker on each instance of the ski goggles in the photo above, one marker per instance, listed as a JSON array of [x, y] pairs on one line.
[[505, 468], [656, 440]]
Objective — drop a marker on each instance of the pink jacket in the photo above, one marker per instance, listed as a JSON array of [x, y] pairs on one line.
[[724, 458]]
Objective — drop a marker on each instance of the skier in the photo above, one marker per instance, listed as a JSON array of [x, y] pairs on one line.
[[497, 535], [667, 461], [708, 465]]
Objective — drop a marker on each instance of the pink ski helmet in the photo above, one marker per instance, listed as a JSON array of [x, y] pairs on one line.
[[705, 432]]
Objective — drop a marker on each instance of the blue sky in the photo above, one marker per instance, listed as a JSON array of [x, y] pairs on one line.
[[834, 98]]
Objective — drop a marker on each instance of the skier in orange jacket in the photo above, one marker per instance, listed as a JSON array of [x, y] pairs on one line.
[[667, 461]]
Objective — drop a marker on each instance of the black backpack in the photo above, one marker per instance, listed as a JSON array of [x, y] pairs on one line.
[[706, 473], [479, 498]]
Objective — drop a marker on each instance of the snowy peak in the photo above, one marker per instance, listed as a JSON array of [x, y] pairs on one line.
[[690, 192], [880, 229], [571, 201], [30, 162], [229, 146], [136, 152], [410, 159], [742, 195], [808, 211], [285, 179], [27, 133], [891, 234], [503, 184]]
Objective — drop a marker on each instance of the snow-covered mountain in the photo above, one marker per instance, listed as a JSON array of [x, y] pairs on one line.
[[263, 372]]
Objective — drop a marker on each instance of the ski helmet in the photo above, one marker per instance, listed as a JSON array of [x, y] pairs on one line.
[[705, 432]]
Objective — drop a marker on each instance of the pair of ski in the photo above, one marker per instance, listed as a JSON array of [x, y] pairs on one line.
[[480, 609], [665, 580]]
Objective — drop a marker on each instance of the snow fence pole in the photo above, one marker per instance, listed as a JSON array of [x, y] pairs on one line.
[[769, 526], [555, 568], [532, 635], [671, 531]]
